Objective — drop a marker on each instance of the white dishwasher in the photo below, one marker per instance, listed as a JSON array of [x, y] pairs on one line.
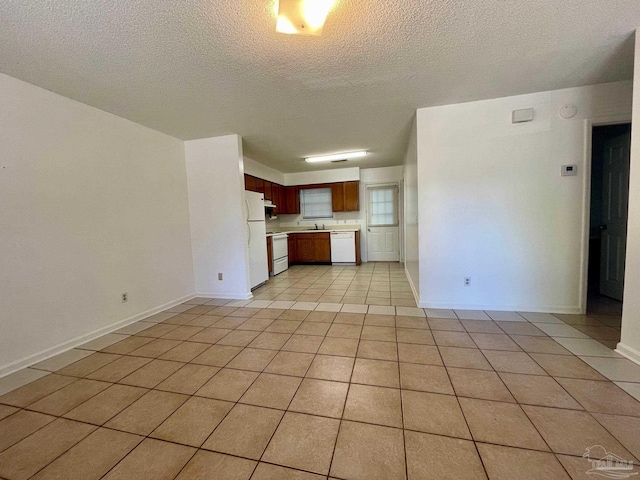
[[343, 247]]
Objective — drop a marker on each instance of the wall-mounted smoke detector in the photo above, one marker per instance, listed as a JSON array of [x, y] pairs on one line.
[[302, 17]]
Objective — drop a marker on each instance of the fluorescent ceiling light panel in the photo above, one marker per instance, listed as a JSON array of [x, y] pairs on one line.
[[302, 17], [336, 156]]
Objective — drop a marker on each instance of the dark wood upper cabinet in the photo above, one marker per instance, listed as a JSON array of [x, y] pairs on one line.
[[249, 183], [337, 196], [275, 198], [345, 196], [351, 196], [292, 200]]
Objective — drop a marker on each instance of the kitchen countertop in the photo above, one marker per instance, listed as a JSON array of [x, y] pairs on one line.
[[271, 234]]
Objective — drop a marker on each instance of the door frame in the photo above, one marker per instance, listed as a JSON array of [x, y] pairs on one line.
[[589, 125], [365, 202]]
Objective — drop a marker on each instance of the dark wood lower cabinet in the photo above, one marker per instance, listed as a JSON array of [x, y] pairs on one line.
[[305, 251], [292, 250], [321, 247], [270, 254], [309, 248]]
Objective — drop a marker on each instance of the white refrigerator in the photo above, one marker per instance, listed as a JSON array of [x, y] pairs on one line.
[[256, 238]]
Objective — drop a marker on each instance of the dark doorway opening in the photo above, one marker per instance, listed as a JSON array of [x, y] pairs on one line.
[[610, 158]]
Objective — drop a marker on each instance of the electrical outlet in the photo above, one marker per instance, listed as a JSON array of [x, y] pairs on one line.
[[467, 281], [220, 276], [125, 297]]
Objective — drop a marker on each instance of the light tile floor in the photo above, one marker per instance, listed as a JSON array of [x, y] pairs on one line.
[[331, 372]]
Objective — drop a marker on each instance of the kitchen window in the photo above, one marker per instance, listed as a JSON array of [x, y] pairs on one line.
[[316, 203]]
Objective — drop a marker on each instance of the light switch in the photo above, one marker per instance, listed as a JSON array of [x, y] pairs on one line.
[[569, 170], [522, 116]]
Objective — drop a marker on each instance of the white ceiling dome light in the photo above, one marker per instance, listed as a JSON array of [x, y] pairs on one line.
[[302, 17]]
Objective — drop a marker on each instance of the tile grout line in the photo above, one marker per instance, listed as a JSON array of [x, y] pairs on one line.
[[346, 398], [315, 356]]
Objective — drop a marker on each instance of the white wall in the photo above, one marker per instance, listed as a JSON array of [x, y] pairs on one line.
[[372, 176], [92, 206], [323, 176], [494, 207], [630, 341], [216, 206], [251, 167], [410, 224]]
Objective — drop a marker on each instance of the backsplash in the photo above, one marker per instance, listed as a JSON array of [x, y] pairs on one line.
[[339, 220]]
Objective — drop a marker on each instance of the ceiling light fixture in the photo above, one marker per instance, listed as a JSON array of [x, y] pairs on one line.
[[302, 17], [336, 156]]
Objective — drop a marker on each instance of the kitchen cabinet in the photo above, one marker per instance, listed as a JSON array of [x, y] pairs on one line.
[[304, 247], [275, 198], [345, 196], [351, 196], [292, 200], [310, 248], [293, 251], [250, 183], [337, 196], [268, 190], [322, 247], [270, 255]]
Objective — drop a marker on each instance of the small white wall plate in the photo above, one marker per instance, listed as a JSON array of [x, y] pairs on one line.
[[568, 110], [522, 116]]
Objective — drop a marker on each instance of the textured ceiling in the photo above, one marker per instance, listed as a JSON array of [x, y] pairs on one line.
[[196, 68]]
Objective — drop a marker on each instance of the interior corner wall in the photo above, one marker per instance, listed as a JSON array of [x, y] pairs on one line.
[[411, 239], [322, 176], [92, 206], [215, 175], [494, 207], [630, 338], [256, 169]]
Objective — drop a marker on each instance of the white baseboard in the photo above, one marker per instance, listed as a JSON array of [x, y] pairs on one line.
[[225, 296], [498, 307], [413, 287], [68, 345], [628, 352]]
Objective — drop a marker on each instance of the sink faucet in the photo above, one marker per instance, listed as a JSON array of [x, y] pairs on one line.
[[316, 226]]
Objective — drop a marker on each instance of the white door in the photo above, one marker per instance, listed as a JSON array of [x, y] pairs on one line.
[[615, 193], [383, 243]]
